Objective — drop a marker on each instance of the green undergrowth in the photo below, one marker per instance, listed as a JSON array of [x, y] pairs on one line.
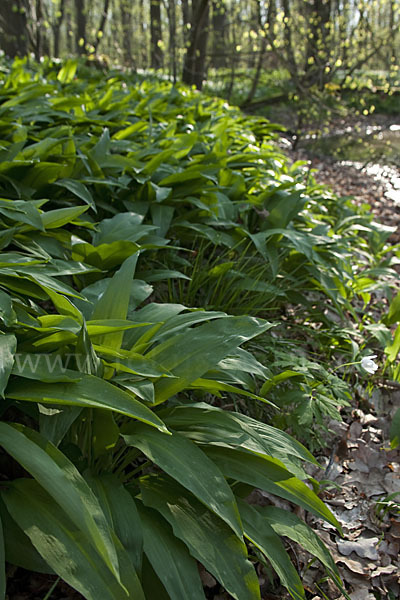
[[174, 298]]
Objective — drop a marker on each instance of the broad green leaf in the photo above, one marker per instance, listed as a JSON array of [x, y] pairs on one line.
[[120, 509], [59, 477], [270, 475], [289, 525], [123, 226], [67, 72], [54, 423], [104, 256], [114, 302], [191, 354], [170, 557], [18, 547], [260, 533], [55, 536], [64, 305], [105, 432], [85, 355], [284, 376], [210, 425], [8, 347], [90, 391], [393, 349], [395, 430], [214, 386], [79, 189], [177, 455], [61, 216], [7, 314], [208, 538], [22, 211], [152, 586], [104, 327], [2, 565]]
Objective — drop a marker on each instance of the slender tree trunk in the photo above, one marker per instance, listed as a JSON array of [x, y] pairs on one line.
[[102, 24], [201, 54], [38, 29], [156, 52], [80, 26], [186, 18], [256, 78], [14, 27], [57, 28], [69, 30], [317, 55], [126, 21], [269, 22], [219, 34], [193, 68], [393, 34], [233, 64], [172, 37]]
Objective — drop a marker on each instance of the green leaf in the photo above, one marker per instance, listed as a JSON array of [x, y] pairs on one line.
[[169, 557], [59, 217], [55, 423], [393, 349], [191, 354], [78, 189], [120, 509], [19, 550], [59, 477], [176, 455], [270, 475], [394, 311], [289, 525], [64, 547], [8, 347], [207, 424], [7, 314], [105, 432], [90, 391], [260, 533], [208, 538], [395, 430], [114, 302], [67, 72], [2, 565]]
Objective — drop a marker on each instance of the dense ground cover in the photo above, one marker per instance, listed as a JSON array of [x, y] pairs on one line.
[[175, 297]]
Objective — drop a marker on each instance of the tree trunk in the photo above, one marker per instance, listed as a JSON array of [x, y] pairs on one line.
[[317, 55], [14, 27], [80, 26], [156, 53], [39, 30], [186, 20], [57, 28], [126, 20], [194, 65], [219, 34], [172, 37], [269, 23], [102, 24]]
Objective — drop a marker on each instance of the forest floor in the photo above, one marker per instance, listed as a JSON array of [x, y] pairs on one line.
[[361, 466]]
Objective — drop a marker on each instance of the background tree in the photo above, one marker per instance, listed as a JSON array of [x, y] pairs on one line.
[[80, 36], [14, 27], [156, 52], [194, 64]]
